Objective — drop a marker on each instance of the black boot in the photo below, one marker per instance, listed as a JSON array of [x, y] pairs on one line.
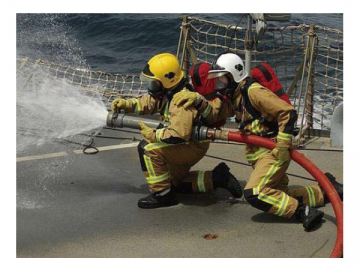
[[158, 199], [338, 187], [309, 216], [222, 178]]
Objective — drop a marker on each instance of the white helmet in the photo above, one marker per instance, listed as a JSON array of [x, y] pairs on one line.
[[228, 63]]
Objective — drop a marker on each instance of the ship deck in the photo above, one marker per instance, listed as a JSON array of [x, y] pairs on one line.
[[76, 205]]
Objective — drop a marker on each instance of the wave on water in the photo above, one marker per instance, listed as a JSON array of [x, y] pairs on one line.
[[122, 42]]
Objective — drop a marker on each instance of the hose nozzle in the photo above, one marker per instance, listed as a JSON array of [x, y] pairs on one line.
[[111, 117], [120, 120]]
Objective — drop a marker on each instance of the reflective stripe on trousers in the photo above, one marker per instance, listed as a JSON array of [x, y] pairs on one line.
[[165, 164], [268, 190]]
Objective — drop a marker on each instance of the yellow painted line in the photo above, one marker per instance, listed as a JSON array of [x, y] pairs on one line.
[[52, 155], [61, 154]]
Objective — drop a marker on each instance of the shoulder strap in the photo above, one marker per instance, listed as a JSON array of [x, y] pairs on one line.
[[196, 74], [266, 73], [248, 106], [255, 113]]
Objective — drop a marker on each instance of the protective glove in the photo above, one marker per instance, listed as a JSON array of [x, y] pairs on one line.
[[147, 132], [281, 151], [187, 97], [118, 104]]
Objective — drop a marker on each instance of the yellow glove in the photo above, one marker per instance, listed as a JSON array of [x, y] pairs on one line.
[[117, 104], [147, 132], [281, 151], [187, 97]]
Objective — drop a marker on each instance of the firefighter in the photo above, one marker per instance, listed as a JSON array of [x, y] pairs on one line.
[[167, 153], [260, 112]]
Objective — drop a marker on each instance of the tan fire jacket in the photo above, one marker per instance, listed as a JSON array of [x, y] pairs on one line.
[[271, 107], [177, 121]]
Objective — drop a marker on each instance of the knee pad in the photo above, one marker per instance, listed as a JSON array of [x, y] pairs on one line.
[[255, 202]]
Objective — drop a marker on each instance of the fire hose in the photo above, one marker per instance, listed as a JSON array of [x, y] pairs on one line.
[[204, 133]]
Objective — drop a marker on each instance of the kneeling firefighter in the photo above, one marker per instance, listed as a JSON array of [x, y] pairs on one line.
[[167, 154], [261, 112]]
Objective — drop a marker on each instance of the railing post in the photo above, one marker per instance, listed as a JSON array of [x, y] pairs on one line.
[[248, 44], [309, 100], [184, 63], [309, 95]]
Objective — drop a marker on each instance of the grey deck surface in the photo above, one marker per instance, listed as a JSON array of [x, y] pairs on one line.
[[85, 206]]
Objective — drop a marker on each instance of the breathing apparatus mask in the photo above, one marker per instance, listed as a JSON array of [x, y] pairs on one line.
[[156, 89], [225, 87]]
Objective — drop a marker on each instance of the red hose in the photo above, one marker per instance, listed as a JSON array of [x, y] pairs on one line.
[[315, 172]]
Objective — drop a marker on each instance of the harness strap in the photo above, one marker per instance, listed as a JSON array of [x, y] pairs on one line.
[[268, 77], [280, 92], [254, 113], [196, 74], [266, 73], [248, 106]]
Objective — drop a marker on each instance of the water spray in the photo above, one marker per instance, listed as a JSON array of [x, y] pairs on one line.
[[204, 133]]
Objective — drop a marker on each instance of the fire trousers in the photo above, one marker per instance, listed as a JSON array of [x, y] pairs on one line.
[[268, 189], [165, 165]]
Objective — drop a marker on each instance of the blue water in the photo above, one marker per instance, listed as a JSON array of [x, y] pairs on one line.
[[120, 43]]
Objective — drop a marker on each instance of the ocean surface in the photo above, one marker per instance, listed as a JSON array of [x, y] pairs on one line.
[[120, 43]]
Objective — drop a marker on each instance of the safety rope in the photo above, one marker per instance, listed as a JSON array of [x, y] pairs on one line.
[[283, 48]]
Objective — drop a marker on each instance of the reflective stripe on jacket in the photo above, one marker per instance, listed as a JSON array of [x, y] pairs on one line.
[[270, 106], [178, 122]]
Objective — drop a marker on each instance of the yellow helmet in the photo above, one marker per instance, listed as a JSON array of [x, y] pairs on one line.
[[165, 68]]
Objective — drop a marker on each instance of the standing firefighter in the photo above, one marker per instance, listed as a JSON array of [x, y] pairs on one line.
[[167, 154], [260, 112]]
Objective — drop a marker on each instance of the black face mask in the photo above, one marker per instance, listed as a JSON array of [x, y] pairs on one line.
[[156, 89]]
